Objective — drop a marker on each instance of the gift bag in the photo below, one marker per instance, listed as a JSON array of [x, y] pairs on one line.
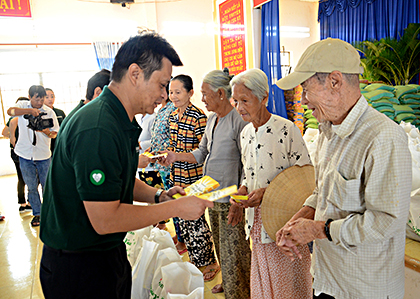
[[134, 241], [140, 287], [181, 278], [198, 293], [164, 257], [162, 237], [144, 267]]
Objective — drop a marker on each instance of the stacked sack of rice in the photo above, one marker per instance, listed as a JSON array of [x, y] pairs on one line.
[[404, 113], [381, 97], [310, 121], [409, 95], [399, 103]]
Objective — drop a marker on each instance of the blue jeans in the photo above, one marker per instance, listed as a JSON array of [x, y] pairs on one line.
[[34, 172]]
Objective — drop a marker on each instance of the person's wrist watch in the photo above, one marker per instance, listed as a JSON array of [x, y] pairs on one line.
[[327, 229], [157, 195]]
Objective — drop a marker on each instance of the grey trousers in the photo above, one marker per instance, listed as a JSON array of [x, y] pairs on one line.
[[233, 252]]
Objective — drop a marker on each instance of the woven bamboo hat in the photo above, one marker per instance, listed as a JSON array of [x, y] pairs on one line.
[[285, 196]]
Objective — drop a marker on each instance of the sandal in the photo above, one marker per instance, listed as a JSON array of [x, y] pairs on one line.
[[36, 221], [182, 251], [213, 273], [218, 288]]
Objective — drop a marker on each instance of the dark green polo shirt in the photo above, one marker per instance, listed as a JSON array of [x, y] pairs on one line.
[[80, 105], [95, 159], [60, 117]]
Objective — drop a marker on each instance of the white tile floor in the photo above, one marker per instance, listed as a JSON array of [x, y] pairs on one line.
[[21, 248]]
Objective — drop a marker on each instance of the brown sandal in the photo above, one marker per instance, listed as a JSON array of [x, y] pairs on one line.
[[218, 288], [213, 273]]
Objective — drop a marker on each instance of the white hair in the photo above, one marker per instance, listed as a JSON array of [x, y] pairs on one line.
[[255, 80], [219, 80]]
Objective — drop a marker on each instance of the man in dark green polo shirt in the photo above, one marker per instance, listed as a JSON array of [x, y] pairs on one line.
[[91, 184]]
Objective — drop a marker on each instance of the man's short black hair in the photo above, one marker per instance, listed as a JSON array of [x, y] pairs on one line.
[[100, 79], [147, 51], [22, 99], [37, 89]]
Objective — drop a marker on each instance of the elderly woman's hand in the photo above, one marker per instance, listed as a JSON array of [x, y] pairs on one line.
[[243, 190], [168, 160], [235, 215], [254, 198]]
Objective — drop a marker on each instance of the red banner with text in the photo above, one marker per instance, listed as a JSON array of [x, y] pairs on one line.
[[258, 3], [15, 8], [232, 35]]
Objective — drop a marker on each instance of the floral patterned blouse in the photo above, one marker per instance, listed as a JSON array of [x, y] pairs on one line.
[[277, 145], [160, 139]]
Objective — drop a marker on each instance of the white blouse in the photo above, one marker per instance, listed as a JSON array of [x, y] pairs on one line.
[[277, 145]]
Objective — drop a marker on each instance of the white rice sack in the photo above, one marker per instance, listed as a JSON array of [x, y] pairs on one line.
[[310, 137], [413, 135]]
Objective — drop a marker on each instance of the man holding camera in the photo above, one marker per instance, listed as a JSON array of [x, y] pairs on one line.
[[37, 125]]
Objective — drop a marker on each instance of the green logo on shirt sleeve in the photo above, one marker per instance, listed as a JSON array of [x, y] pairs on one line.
[[97, 177]]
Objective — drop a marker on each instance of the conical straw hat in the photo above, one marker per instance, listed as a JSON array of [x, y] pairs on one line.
[[285, 196]]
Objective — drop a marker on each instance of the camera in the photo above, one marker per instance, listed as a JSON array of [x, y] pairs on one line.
[[37, 123]]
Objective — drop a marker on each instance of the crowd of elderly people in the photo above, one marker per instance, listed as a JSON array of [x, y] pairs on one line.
[[356, 214]]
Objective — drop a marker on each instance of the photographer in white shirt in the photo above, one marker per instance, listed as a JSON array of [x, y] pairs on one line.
[[33, 145]]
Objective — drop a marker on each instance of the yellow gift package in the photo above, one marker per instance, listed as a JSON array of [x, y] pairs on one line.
[[203, 185], [238, 198], [151, 156], [215, 195]]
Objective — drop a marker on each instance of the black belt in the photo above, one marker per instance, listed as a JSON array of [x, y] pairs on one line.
[[60, 251], [87, 252]]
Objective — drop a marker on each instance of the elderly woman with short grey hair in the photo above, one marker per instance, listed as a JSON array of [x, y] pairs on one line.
[[220, 149], [269, 145]]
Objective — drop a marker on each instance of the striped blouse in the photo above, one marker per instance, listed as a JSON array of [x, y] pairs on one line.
[[186, 134]]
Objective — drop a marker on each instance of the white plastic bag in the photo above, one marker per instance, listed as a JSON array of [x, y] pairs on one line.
[[164, 257], [413, 223], [134, 242], [140, 288], [181, 278], [144, 267], [311, 140], [198, 293], [162, 237], [414, 216]]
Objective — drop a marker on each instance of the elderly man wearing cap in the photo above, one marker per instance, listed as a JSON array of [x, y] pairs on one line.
[[358, 210]]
